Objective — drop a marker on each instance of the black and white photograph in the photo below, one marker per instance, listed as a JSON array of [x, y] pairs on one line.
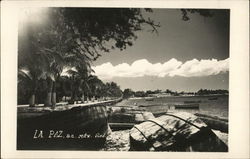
[[125, 79]]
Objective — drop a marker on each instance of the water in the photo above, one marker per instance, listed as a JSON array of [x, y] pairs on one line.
[[210, 105]]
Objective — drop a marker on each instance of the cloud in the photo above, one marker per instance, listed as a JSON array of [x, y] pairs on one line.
[[196, 68], [173, 67]]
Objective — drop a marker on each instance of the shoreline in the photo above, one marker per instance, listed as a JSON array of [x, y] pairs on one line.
[[211, 95]]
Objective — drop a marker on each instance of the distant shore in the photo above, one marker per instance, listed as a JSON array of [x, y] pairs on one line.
[[213, 95]]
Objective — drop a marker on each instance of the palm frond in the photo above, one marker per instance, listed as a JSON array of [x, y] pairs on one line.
[[22, 73]]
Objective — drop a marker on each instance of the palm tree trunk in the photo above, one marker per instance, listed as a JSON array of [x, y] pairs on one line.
[[93, 98], [49, 93], [79, 86], [32, 100], [73, 96], [83, 98], [53, 98], [73, 91], [87, 97]]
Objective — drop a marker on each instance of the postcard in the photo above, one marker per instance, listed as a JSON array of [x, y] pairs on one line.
[[115, 79]]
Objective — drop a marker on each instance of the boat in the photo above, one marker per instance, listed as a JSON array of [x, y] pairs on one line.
[[187, 106], [214, 122], [149, 98], [126, 117], [213, 98], [148, 105], [68, 127], [192, 101], [175, 132]]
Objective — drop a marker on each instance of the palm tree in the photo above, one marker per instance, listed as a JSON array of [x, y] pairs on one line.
[[32, 71], [95, 85], [32, 63], [29, 80], [65, 51], [53, 74], [79, 80]]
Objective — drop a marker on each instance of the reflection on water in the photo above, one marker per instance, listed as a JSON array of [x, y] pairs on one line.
[[216, 105]]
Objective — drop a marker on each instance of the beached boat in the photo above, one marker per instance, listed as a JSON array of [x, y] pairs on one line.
[[79, 126], [180, 131], [187, 106], [125, 117]]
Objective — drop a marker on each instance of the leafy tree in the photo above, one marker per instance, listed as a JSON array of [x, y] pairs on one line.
[[209, 92], [149, 92], [76, 36], [168, 91], [202, 12], [102, 29], [95, 85], [72, 36], [128, 93], [113, 89], [80, 79], [140, 94]]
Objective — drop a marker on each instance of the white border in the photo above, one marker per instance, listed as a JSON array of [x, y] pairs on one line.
[[238, 82]]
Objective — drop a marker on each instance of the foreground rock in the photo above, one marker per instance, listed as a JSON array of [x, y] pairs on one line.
[[117, 141], [175, 132]]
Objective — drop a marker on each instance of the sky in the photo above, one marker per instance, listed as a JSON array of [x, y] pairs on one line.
[[183, 56]]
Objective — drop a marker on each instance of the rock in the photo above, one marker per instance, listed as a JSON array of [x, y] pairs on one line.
[[117, 141], [174, 132]]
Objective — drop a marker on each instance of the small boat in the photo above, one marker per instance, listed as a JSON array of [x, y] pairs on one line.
[[127, 117], [187, 106], [192, 101], [148, 105], [70, 127], [149, 99], [121, 126], [213, 98]]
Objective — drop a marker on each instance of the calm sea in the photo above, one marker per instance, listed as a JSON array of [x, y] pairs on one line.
[[216, 105]]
